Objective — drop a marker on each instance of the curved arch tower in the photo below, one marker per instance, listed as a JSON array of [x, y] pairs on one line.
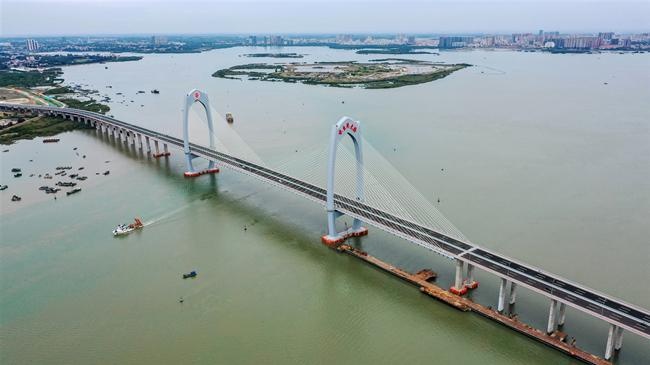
[[197, 96], [352, 128]]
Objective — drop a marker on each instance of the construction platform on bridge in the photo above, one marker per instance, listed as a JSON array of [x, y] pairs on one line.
[[422, 279]]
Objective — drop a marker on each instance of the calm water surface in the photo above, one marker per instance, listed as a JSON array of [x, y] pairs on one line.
[[542, 161]]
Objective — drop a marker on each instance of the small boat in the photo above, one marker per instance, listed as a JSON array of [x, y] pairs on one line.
[[128, 228], [51, 140], [15, 198], [18, 175], [106, 172], [3, 187], [192, 274], [154, 91], [15, 169], [229, 118], [73, 191]]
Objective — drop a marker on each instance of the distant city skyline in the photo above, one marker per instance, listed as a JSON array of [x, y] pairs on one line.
[[120, 17]]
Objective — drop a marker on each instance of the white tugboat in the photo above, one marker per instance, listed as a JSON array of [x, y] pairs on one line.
[[123, 229]]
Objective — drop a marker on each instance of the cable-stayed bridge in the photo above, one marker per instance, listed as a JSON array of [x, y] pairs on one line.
[[438, 236]]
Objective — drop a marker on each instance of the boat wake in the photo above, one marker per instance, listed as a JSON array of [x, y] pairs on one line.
[[167, 215]]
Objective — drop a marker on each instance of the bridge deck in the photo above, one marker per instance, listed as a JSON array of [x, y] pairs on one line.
[[612, 310]]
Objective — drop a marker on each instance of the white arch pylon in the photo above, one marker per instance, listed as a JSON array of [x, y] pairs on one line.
[[192, 97], [344, 127]]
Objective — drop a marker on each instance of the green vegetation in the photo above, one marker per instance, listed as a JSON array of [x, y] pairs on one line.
[[59, 90], [49, 77], [89, 105], [38, 127], [246, 70]]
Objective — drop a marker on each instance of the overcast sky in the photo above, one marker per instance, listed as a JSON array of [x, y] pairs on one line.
[[70, 17]]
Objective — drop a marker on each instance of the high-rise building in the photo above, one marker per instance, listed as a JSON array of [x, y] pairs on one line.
[[454, 42], [276, 40], [344, 38], [32, 45], [252, 40], [606, 35], [159, 40]]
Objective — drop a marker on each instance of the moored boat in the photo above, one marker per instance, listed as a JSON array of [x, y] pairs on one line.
[[73, 191]]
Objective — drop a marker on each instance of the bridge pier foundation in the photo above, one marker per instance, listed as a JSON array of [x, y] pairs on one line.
[[159, 154], [146, 139], [552, 317], [140, 141], [501, 303]]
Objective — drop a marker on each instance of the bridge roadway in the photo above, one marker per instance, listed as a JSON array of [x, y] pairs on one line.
[[612, 310]]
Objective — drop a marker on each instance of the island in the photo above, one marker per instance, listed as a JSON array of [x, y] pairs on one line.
[[275, 55], [374, 74]]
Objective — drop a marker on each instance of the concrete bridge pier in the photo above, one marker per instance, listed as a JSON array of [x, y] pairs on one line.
[[140, 145], [561, 317], [619, 339], [146, 139], [470, 283], [609, 346], [513, 293], [552, 317], [501, 303], [459, 287]]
